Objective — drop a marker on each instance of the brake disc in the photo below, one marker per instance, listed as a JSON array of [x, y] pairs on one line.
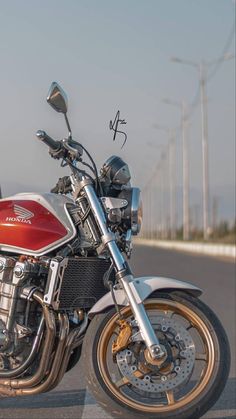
[[128, 363]]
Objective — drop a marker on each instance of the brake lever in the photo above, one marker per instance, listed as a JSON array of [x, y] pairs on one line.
[[57, 154]]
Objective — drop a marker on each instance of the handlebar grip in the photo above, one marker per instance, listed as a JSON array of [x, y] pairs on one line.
[[53, 144]]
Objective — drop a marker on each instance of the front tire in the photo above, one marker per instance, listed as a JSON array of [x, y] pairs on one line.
[[184, 400]]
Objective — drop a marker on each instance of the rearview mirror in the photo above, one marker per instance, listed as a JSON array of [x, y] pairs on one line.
[[57, 98]]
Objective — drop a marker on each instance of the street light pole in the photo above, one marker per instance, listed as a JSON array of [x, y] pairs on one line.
[[205, 156], [202, 71], [172, 171], [172, 177], [158, 179], [162, 176], [185, 191], [185, 172]]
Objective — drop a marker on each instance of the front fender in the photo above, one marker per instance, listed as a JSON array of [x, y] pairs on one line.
[[142, 288]]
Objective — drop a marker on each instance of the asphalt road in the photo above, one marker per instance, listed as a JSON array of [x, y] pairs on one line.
[[216, 277]]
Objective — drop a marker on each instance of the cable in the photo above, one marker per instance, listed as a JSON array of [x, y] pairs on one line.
[[216, 67], [224, 51], [88, 165], [98, 184]]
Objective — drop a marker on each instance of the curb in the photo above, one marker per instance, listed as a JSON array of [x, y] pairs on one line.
[[211, 249]]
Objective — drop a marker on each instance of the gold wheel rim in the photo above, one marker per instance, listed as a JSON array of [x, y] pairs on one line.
[[210, 354]]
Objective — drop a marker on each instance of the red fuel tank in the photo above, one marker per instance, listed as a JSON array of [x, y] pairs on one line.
[[34, 224]]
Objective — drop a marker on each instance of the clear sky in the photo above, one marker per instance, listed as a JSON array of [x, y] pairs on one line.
[[111, 55]]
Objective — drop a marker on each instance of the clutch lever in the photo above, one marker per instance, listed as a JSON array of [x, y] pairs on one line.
[[75, 150]]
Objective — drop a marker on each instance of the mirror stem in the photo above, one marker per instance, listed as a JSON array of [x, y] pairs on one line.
[[68, 126]]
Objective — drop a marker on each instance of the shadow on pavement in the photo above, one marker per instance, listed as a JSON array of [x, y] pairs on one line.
[[47, 400], [73, 398]]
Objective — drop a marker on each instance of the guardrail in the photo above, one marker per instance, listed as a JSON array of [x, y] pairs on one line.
[[212, 249]]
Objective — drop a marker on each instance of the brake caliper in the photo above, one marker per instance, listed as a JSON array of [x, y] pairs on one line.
[[122, 340]]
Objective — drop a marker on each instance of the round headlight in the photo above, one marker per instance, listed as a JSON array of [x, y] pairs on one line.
[[116, 171]]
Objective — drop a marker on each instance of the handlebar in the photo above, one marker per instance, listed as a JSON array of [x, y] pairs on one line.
[[60, 149], [53, 144], [70, 151]]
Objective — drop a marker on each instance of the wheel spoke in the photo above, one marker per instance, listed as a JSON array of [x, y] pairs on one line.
[[124, 381], [201, 356], [190, 327], [176, 318], [170, 397], [169, 313]]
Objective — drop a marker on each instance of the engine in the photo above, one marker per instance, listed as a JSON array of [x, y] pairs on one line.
[[19, 317]]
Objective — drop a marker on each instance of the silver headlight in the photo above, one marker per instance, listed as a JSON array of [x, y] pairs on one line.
[[115, 171], [136, 211], [132, 214]]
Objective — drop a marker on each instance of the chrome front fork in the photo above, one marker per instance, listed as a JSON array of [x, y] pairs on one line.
[[125, 278]]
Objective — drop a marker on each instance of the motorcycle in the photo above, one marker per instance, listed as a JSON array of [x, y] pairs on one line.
[[151, 348]]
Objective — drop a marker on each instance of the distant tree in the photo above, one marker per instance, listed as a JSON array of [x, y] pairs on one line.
[[223, 229], [234, 227], [179, 233]]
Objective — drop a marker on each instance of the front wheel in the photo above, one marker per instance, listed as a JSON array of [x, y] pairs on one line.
[[184, 384]]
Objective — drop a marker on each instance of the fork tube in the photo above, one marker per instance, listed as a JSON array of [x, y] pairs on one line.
[[107, 237], [138, 310]]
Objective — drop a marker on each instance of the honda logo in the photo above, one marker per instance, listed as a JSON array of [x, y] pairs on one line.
[[22, 213]]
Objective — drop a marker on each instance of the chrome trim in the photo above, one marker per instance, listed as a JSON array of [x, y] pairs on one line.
[[99, 215], [138, 310], [142, 318], [55, 276], [107, 238], [135, 206], [57, 98], [113, 203], [78, 185]]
